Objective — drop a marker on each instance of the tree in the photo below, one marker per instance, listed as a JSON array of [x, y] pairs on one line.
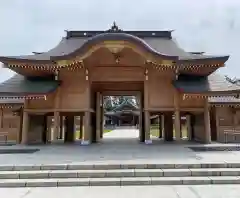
[[111, 102]]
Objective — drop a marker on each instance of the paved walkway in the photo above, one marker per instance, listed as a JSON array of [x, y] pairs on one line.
[[117, 151], [208, 191], [122, 133]]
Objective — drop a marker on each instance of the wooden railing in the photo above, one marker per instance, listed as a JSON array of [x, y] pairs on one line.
[[8, 135], [4, 137], [231, 135]]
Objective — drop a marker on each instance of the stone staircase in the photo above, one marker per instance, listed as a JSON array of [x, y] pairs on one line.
[[119, 174]]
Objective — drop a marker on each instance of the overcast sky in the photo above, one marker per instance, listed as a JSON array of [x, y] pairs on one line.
[[211, 26]]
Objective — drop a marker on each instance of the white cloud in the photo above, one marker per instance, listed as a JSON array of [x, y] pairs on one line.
[[212, 26]]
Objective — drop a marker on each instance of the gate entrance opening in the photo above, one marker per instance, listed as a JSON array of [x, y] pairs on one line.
[[117, 110]]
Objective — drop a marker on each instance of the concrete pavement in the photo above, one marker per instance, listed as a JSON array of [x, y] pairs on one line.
[[112, 150], [208, 191], [123, 133]]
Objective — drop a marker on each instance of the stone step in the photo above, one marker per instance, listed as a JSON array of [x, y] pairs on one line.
[[115, 166], [129, 181], [119, 173]]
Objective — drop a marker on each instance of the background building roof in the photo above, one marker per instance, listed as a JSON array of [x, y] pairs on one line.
[[214, 83], [19, 85]]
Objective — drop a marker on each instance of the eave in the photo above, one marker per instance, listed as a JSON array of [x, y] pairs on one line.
[[212, 85], [18, 60], [204, 60], [20, 87]]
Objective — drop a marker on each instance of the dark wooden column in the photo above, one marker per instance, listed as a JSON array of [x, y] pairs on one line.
[[20, 125], [81, 127], [102, 123], [44, 132], [168, 126], [207, 138], [93, 128], [142, 137], [160, 125], [213, 123], [69, 132], [98, 116], [61, 128], [141, 122], [192, 123], [25, 128], [189, 127]]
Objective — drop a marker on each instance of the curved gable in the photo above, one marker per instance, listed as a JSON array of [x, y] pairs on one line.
[[117, 38]]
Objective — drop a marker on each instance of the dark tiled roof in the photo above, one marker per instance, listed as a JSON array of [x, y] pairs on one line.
[[70, 46], [125, 103], [66, 46], [140, 34], [170, 46], [19, 85], [118, 113], [214, 83]]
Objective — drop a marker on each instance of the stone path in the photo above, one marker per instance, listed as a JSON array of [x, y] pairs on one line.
[[112, 150], [208, 191], [122, 133]]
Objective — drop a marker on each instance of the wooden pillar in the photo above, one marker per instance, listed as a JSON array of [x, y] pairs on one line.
[[61, 128], [69, 132], [140, 119], [177, 125], [1, 120], [146, 109], [213, 123], [102, 120], [56, 115], [207, 138], [160, 125], [177, 120], [55, 126], [19, 139], [87, 130], [81, 127], [44, 132], [147, 127], [189, 127], [25, 128], [87, 136], [49, 128], [168, 126], [98, 117]]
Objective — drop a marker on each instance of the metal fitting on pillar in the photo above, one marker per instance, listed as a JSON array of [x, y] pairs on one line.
[[148, 142], [86, 73], [146, 74], [56, 73], [176, 74], [85, 142]]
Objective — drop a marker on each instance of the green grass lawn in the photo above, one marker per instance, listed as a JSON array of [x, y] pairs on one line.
[[107, 130], [154, 130]]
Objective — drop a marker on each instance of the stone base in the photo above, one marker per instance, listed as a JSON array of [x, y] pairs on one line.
[[148, 141], [85, 142]]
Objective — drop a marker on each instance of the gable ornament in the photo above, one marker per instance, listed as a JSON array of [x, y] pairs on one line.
[[114, 28]]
